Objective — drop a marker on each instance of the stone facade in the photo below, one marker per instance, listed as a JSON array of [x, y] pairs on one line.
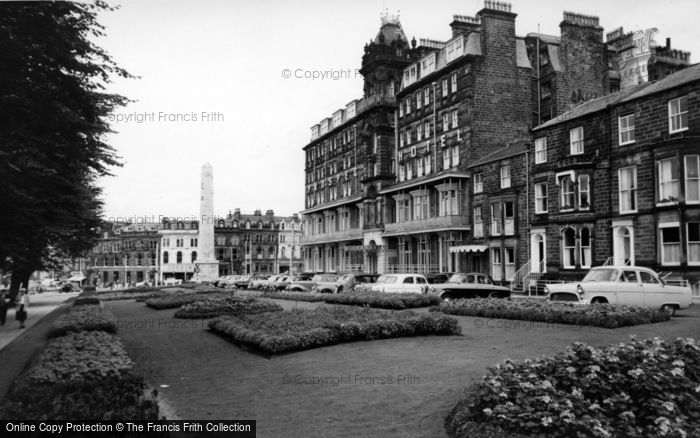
[[642, 186]]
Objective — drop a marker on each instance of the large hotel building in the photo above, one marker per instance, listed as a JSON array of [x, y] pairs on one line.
[[462, 155]]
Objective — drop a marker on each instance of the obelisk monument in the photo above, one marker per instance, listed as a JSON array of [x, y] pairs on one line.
[[206, 262]]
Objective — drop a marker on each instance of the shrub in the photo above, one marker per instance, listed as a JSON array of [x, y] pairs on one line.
[[84, 318], [380, 300], [597, 315], [302, 329], [87, 301], [172, 301], [80, 376], [217, 306], [640, 388]]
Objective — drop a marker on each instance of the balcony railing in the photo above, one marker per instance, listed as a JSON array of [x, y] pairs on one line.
[[427, 224], [333, 236]]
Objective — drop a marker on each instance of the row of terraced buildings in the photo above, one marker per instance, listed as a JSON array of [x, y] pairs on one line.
[[535, 156]]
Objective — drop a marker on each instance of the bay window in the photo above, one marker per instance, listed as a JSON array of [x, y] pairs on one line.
[[569, 248], [584, 192], [478, 222], [585, 248], [567, 193]]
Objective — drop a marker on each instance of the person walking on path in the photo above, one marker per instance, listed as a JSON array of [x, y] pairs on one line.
[[3, 306], [22, 305]]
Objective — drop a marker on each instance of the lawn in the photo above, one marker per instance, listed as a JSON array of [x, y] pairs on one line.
[[337, 390]]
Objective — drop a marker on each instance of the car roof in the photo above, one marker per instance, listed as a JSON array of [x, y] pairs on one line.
[[639, 268]]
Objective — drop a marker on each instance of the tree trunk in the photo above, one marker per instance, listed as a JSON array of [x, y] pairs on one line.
[[20, 279]]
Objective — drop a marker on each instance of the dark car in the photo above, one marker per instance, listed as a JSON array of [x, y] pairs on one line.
[[355, 281], [438, 278], [470, 285]]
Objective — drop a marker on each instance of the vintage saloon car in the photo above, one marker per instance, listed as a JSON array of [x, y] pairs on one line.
[[471, 285], [400, 283], [630, 285]]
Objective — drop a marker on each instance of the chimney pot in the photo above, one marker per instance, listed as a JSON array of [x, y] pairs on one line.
[[668, 43]]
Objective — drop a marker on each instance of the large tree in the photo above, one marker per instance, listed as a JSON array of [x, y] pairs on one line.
[[54, 105]]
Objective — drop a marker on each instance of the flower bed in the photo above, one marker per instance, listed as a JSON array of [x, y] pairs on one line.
[[84, 318], [384, 300], [80, 376], [217, 306], [372, 299], [302, 329], [172, 301], [637, 389], [597, 315]]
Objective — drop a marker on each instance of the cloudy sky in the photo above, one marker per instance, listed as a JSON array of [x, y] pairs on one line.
[[229, 58]]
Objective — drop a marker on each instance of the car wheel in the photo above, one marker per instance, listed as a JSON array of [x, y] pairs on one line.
[[448, 297], [599, 300], [669, 308], [494, 295], [339, 290]]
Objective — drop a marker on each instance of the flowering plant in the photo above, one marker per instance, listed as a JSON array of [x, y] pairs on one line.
[[640, 388]]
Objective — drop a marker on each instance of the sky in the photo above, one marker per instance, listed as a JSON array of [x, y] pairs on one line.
[[212, 87]]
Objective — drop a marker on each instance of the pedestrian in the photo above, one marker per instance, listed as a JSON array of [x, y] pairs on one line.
[[3, 306], [22, 305]]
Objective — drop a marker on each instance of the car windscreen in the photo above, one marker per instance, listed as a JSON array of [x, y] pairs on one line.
[[601, 275], [457, 278], [329, 278], [387, 279]]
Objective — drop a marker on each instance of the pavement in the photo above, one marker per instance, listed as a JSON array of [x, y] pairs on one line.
[[19, 346]]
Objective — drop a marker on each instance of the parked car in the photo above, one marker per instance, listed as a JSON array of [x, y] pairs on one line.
[[260, 282], [255, 279], [355, 282], [242, 281], [303, 283], [229, 281], [469, 285], [218, 281], [172, 281], [325, 283], [285, 280], [630, 285], [400, 283], [280, 283], [438, 278]]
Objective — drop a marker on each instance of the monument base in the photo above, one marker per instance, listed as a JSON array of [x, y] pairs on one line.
[[207, 271]]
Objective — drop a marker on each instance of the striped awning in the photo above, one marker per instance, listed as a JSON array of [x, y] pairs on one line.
[[469, 248]]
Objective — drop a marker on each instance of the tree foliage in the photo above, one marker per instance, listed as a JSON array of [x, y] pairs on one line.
[[54, 105]]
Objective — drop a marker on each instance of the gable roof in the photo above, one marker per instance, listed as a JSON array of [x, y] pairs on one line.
[[687, 75], [510, 150]]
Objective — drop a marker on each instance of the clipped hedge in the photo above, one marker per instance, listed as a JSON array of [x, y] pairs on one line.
[[637, 389], [87, 300], [301, 329], [217, 306], [380, 300], [81, 376], [84, 318], [596, 315], [172, 301]]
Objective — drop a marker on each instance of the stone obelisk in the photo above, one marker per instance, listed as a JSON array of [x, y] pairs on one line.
[[206, 262]]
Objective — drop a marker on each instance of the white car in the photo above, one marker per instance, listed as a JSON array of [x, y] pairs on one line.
[[172, 281], [400, 283], [629, 285]]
